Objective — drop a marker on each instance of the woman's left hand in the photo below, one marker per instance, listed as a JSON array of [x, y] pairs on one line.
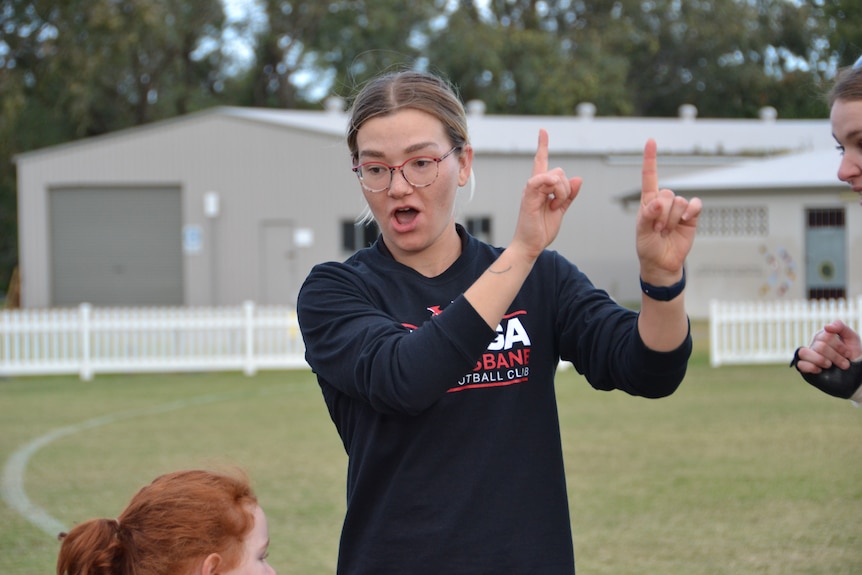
[[666, 225]]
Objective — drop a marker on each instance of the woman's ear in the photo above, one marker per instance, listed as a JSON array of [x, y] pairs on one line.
[[211, 564], [465, 165]]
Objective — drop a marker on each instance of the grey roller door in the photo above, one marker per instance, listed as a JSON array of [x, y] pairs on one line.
[[116, 246]]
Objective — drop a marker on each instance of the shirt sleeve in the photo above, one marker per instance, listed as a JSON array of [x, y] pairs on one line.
[[367, 354], [601, 339]]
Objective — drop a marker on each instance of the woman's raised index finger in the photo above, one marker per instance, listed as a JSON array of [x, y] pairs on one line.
[[649, 175], [540, 163]]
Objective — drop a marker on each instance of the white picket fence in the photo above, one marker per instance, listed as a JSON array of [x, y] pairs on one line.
[[87, 340], [769, 332]]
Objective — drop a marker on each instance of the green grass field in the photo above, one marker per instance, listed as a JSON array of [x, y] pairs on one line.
[[745, 470]]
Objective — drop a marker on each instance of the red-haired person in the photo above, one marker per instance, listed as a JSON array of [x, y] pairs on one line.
[[832, 362], [191, 522]]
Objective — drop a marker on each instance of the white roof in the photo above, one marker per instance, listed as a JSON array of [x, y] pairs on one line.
[[628, 135], [586, 135], [334, 123], [599, 135], [815, 169]]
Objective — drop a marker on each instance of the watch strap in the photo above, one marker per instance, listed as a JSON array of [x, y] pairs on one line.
[[664, 293]]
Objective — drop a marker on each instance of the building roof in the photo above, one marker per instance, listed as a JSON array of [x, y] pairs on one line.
[[582, 134], [587, 134], [628, 135], [328, 122], [814, 169]]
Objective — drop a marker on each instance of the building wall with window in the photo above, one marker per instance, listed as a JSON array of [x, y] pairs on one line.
[[236, 204], [779, 229], [767, 247], [597, 234], [256, 205]]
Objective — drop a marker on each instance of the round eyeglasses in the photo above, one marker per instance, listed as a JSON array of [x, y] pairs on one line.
[[420, 172]]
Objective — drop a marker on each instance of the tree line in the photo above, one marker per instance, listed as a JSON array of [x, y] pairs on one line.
[[71, 69]]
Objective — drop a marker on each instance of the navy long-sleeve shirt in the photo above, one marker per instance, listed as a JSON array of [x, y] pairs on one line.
[[454, 454]]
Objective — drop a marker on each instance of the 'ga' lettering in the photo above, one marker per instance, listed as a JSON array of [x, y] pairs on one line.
[[514, 333]]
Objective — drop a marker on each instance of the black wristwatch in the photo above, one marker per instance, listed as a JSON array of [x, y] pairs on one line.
[[664, 293]]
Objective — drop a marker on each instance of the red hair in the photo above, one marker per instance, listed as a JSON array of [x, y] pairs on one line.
[[168, 527]]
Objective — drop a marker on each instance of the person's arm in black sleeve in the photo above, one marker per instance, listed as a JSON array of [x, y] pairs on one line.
[[602, 341], [368, 355]]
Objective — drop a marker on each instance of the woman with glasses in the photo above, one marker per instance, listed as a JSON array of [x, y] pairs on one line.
[[832, 362], [436, 353]]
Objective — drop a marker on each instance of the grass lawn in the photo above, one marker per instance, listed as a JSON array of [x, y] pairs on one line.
[[743, 470]]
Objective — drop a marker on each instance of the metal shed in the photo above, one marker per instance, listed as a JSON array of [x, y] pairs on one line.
[[234, 204]]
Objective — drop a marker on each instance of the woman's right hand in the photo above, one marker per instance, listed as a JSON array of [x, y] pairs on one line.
[[546, 197]]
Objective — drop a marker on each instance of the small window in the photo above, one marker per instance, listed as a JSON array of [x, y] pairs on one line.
[[355, 238], [826, 218], [749, 221], [480, 228], [827, 293]]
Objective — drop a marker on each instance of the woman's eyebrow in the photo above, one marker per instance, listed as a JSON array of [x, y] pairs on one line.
[[409, 150], [849, 135], [419, 146]]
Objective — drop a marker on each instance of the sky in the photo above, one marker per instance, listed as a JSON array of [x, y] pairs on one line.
[[250, 10], [241, 49], [237, 11]]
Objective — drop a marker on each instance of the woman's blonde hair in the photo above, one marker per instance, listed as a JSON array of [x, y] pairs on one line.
[[396, 91]]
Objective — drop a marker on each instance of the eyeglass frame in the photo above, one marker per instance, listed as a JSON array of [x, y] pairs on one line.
[[357, 170]]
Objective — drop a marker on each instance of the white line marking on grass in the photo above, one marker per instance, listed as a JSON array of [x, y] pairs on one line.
[[12, 488]]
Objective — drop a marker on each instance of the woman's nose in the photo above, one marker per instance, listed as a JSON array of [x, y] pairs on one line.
[[399, 186], [850, 166]]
